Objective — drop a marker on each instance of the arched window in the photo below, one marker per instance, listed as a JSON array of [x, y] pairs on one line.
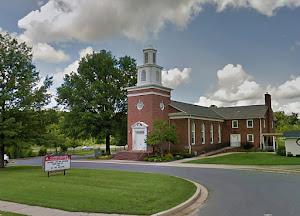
[[203, 133], [146, 58], [211, 133], [143, 76], [157, 76], [193, 133]]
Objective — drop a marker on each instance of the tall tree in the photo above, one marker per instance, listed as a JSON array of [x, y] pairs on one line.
[[96, 95], [21, 101]]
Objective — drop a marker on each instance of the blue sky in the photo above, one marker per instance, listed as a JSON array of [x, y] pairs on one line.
[[213, 51]]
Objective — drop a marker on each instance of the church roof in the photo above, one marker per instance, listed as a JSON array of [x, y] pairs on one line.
[[196, 110], [242, 112], [224, 113]]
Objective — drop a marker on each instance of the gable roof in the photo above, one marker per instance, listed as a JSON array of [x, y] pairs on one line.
[[224, 113], [195, 110], [291, 134], [242, 112]]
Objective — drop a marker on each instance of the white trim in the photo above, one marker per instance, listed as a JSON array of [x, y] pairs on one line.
[[247, 123], [184, 116], [148, 93], [203, 132], [248, 137], [147, 86], [193, 133], [236, 124]]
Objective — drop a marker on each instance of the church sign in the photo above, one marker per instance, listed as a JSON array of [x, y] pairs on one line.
[[56, 163]]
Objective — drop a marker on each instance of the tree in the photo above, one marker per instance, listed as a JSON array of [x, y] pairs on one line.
[[162, 133], [96, 96], [21, 101], [284, 122]]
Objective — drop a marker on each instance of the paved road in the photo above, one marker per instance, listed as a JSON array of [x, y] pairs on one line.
[[231, 192]]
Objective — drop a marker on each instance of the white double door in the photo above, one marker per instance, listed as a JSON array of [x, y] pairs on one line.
[[235, 140]]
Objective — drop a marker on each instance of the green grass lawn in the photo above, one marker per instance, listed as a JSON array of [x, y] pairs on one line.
[[2, 213], [88, 190], [250, 158]]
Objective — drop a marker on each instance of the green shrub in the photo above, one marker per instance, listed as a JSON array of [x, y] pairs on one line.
[[19, 152], [184, 155], [281, 151], [63, 148], [43, 151], [178, 157]]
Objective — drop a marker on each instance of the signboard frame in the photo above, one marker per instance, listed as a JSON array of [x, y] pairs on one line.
[[55, 163]]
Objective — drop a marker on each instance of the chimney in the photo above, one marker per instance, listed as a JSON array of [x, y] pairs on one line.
[[268, 100]]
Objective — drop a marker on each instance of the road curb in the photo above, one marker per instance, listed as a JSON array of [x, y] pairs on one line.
[[189, 205]]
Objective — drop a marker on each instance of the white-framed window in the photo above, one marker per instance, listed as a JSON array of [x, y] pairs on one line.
[[203, 133], [264, 123], [154, 58], [193, 133], [250, 138], [143, 76], [146, 58], [211, 133], [250, 123], [235, 123], [219, 133]]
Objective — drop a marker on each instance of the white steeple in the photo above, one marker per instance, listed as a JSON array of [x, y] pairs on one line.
[[149, 73]]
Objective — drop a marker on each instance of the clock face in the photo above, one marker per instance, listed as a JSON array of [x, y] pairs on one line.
[[298, 142], [162, 105], [140, 105]]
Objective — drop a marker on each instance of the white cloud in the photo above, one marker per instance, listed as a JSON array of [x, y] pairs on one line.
[[204, 101], [174, 77], [237, 88], [288, 90], [290, 108], [63, 20], [235, 85]]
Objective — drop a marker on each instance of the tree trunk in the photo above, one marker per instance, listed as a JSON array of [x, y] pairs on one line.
[[108, 144], [2, 156]]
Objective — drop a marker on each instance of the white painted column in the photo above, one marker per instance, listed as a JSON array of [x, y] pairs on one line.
[[274, 144]]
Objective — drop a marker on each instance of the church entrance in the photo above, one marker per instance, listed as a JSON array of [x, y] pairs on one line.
[[139, 134]]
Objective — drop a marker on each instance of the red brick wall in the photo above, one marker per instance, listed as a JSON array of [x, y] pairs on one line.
[[150, 111], [182, 130]]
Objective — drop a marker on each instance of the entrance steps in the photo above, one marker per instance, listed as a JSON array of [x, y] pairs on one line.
[[132, 155], [223, 150]]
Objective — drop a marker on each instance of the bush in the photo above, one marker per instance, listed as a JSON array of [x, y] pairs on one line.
[[281, 151], [19, 152], [184, 155], [63, 148], [156, 158], [247, 146], [43, 151]]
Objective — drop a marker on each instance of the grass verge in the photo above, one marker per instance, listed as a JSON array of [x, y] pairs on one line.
[[249, 159], [2, 213], [88, 190]]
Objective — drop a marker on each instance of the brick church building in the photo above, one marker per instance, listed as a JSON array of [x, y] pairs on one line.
[[199, 128]]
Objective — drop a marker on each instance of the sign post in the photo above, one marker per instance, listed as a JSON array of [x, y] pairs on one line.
[[56, 164]]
